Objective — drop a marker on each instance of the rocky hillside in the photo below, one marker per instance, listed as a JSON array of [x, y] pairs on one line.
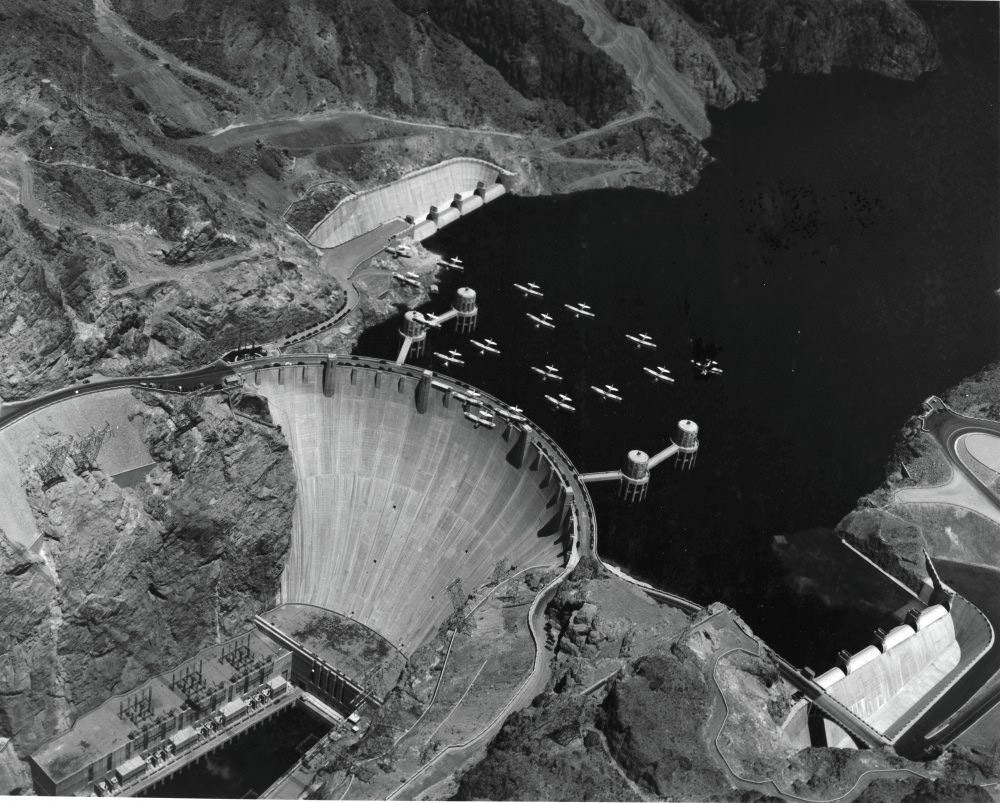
[[130, 580], [894, 533], [692, 701], [131, 241]]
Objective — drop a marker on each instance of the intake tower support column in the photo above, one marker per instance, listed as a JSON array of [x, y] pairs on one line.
[[686, 440], [465, 306], [635, 476]]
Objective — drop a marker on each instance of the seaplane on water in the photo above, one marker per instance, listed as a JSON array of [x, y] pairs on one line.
[[399, 277], [481, 418], [608, 392], [548, 372], [642, 341], [544, 319], [451, 358], [485, 345], [580, 309], [529, 289], [707, 367], [454, 263], [561, 403], [659, 374]]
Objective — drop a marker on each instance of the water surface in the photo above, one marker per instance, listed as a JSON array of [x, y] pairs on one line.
[[840, 255]]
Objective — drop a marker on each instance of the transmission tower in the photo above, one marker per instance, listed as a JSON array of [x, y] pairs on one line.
[[86, 448], [52, 470]]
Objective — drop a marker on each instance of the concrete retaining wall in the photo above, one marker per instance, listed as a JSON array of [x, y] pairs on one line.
[[413, 195]]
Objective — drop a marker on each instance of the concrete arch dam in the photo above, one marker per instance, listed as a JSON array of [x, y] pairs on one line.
[[433, 196], [395, 504]]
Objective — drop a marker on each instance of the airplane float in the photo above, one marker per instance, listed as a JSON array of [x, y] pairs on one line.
[[562, 403], [529, 289], [642, 341], [451, 358], [541, 320], [399, 277], [399, 250], [707, 367], [454, 263], [485, 345], [608, 392], [548, 372], [659, 374], [481, 418]]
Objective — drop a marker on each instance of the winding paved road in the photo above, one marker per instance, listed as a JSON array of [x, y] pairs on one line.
[[979, 689]]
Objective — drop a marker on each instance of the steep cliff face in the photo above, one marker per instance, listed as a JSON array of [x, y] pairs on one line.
[[683, 54], [540, 50], [130, 580], [510, 65], [886, 37]]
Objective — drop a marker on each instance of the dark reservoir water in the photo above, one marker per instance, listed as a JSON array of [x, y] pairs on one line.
[[249, 764], [841, 254]]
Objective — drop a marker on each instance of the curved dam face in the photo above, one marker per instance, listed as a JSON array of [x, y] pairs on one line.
[[413, 195], [394, 505]]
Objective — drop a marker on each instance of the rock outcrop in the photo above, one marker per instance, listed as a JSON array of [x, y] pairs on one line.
[[687, 702], [130, 580]]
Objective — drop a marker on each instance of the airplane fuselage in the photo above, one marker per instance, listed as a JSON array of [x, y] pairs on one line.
[[640, 342]]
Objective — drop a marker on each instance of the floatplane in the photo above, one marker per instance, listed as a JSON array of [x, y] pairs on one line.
[[544, 319], [454, 263], [609, 392], [485, 345], [451, 358], [529, 289], [580, 309], [468, 398], [659, 374], [562, 403], [514, 413], [642, 341], [406, 279], [707, 367], [426, 320], [399, 250], [481, 418], [548, 372]]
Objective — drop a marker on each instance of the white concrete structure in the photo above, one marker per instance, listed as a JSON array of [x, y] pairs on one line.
[[393, 505], [413, 195]]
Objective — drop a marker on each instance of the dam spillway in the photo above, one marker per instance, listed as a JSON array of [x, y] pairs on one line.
[[394, 505], [433, 196]]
